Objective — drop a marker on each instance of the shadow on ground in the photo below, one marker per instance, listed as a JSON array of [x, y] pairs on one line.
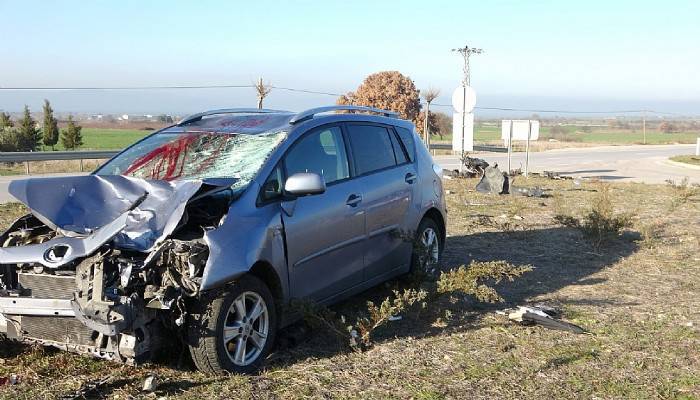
[[560, 257]]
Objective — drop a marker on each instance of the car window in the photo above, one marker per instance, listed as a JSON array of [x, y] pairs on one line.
[[371, 148], [322, 152], [398, 149], [407, 139]]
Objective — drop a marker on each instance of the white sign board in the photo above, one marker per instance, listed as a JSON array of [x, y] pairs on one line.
[[457, 132], [464, 98], [520, 129]]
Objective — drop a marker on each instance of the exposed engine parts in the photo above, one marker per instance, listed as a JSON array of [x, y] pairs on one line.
[[114, 302]]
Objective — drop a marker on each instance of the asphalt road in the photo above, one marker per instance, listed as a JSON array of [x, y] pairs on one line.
[[615, 163], [648, 164]]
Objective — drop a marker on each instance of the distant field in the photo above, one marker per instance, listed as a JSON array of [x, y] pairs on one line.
[[597, 135], [108, 139]]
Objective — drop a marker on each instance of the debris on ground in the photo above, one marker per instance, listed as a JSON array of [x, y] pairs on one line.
[[545, 316], [12, 379], [150, 384], [527, 191], [493, 181], [553, 175], [474, 166], [88, 389]]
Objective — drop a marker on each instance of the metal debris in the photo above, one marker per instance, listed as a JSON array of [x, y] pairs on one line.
[[545, 316], [527, 191], [494, 181], [554, 175], [151, 383]]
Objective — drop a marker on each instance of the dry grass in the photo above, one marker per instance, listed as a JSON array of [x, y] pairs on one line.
[[639, 301]]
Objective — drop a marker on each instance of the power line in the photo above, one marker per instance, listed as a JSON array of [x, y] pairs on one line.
[[164, 87], [130, 87], [297, 90], [566, 111]]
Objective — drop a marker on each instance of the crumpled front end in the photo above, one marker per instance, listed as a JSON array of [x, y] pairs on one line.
[[104, 263]]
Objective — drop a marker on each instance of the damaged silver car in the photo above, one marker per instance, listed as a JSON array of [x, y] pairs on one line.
[[206, 230]]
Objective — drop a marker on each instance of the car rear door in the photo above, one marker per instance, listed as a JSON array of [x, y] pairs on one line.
[[325, 233], [387, 177]]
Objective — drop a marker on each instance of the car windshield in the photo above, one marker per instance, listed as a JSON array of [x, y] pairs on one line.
[[195, 155]]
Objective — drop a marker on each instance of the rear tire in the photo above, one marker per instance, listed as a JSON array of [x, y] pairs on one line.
[[233, 330], [427, 248]]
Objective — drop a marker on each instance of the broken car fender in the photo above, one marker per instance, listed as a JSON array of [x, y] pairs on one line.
[[246, 238]]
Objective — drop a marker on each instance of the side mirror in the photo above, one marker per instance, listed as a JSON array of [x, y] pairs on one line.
[[304, 184]]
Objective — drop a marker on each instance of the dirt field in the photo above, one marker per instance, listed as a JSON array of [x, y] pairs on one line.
[[636, 295]]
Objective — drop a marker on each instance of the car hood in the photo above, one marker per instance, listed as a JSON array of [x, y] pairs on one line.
[[78, 206]]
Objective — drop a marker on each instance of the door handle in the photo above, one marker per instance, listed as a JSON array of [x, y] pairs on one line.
[[354, 200], [411, 177]]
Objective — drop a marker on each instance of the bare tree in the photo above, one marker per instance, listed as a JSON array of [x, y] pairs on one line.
[[429, 95], [263, 90]]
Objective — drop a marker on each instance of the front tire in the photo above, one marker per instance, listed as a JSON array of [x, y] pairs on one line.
[[233, 330]]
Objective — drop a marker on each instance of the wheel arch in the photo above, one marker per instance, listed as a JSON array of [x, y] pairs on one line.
[[435, 214], [264, 271]]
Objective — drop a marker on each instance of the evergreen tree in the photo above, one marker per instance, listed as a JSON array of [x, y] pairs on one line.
[[50, 128], [71, 137], [28, 136], [5, 121]]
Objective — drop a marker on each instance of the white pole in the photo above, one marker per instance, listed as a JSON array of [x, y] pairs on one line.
[[527, 146], [697, 148], [464, 119], [510, 144]]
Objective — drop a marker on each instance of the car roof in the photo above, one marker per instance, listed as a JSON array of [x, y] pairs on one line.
[[254, 121]]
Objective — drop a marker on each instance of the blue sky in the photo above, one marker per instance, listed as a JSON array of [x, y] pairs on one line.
[[563, 54]]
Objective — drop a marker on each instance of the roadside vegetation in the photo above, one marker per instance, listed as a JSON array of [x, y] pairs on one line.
[[689, 159], [635, 292]]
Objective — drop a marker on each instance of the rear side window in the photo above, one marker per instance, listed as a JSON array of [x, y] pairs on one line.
[[407, 139], [371, 148], [398, 149]]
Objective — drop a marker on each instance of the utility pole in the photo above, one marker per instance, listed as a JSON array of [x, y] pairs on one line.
[[644, 126], [466, 52]]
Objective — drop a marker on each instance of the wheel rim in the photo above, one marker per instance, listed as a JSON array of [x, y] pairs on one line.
[[431, 250], [246, 328]]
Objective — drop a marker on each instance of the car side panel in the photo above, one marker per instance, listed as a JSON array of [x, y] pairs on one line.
[[247, 235]]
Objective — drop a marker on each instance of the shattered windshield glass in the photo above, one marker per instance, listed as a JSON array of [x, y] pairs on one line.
[[196, 155]]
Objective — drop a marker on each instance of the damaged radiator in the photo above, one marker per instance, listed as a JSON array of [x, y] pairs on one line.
[[58, 329], [43, 286]]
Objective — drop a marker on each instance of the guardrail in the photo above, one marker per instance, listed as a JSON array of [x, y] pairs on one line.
[[27, 156], [477, 147]]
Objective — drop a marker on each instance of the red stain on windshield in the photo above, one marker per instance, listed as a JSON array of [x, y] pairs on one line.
[[188, 156]]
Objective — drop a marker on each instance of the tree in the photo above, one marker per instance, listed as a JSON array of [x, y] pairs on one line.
[[168, 119], [50, 128], [5, 121], [429, 95], [28, 136], [263, 90], [433, 126], [71, 137], [444, 124], [666, 127], [389, 90]]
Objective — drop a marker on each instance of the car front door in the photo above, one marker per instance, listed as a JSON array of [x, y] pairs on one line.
[[325, 233], [383, 170]]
